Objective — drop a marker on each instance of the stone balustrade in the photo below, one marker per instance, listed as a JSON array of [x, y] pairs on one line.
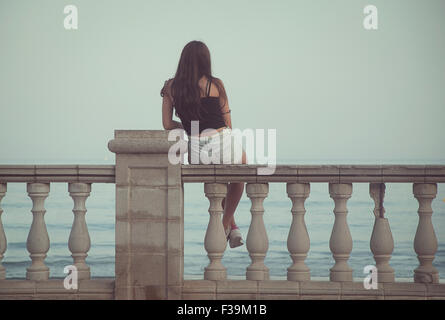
[[38, 283], [149, 233]]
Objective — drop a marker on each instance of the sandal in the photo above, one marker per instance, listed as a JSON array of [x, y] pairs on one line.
[[234, 237]]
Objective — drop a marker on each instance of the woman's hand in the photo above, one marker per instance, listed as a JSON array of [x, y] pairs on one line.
[[173, 125]]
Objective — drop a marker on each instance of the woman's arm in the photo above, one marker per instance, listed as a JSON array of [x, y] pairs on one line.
[[225, 107], [226, 115], [167, 109]]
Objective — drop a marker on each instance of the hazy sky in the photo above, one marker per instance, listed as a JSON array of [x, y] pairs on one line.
[[309, 69]]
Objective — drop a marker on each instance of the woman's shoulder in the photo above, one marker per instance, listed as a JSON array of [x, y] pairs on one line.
[[218, 84], [217, 80], [168, 82], [166, 88]]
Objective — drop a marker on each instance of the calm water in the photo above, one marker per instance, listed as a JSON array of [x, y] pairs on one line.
[[400, 204]]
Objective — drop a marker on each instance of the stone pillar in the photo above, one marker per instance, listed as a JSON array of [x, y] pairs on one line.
[[298, 242], [340, 242], [38, 239], [79, 240], [257, 242], [215, 240], [3, 243], [382, 243], [149, 217], [425, 241]]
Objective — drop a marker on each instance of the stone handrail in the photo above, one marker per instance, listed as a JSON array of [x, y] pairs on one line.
[[235, 173], [57, 173], [244, 173], [316, 173]]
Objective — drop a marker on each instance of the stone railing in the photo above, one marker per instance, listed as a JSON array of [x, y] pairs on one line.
[[38, 283], [149, 231], [150, 227]]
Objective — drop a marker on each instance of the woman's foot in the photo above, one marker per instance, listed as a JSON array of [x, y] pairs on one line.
[[234, 237]]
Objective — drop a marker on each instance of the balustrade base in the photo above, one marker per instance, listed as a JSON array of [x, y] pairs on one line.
[[37, 275], [385, 277], [257, 275], [215, 274], [298, 275], [83, 274], [53, 289], [319, 290], [228, 289], [339, 276], [426, 277]]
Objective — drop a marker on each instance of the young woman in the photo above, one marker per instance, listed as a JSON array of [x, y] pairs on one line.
[[198, 96]]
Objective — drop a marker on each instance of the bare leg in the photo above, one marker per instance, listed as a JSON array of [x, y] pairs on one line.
[[234, 193], [231, 221]]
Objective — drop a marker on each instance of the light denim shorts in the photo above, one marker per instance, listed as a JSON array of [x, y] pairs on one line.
[[219, 148]]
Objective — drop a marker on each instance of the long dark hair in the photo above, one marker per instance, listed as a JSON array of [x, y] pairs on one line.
[[194, 63]]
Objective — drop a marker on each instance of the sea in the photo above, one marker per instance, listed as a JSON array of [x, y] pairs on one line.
[[400, 206]]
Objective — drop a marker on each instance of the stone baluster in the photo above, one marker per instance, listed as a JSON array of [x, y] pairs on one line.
[[79, 240], [340, 242], [382, 243], [215, 240], [257, 242], [3, 243], [425, 241], [38, 240], [298, 242]]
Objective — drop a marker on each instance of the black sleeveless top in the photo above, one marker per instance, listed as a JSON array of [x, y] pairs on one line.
[[213, 116]]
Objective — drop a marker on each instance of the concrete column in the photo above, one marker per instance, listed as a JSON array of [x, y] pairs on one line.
[[425, 241], [38, 239], [298, 242], [257, 242], [340, 242], [215, 241], [79, 241], [382, 242], [149, 217]]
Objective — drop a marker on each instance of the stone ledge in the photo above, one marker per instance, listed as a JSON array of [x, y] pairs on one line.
[[435, 290], [228, 289], [52, 289], [320, 288], [283, 289], [57, 173], [316, 173], [405, 289]]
